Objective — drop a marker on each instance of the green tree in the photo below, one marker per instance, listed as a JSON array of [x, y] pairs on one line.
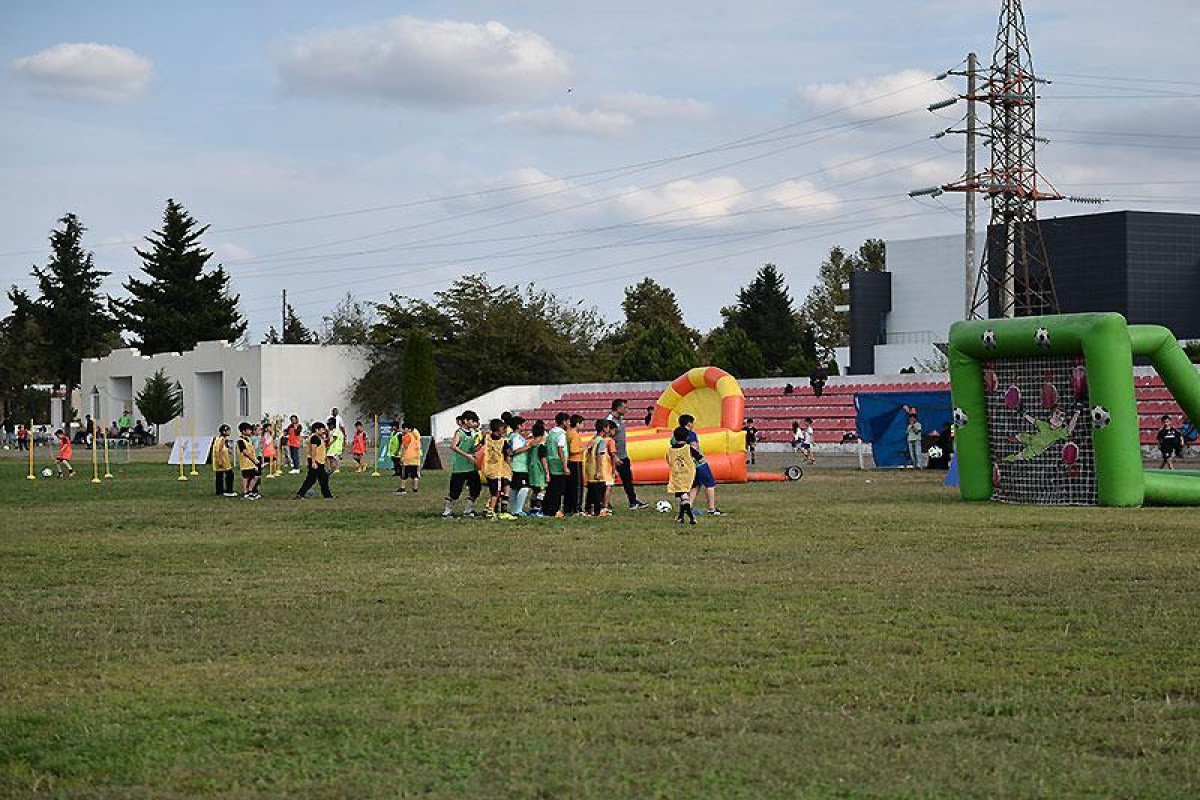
[[381, 387], [735, 352], [70, 312], [350, 322], [765, 313], [160, 400], [830, 328], [420, 380], [181, 304], [20, 346], [657, 353]]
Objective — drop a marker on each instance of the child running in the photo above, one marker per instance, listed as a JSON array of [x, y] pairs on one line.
[[223, 463], [463, 471], [65, 451], [318, 472], [682, 459], [249, 462], [358, 447], [704, 476], [497, 455], [410, 458]]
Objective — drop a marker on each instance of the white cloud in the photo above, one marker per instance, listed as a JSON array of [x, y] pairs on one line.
[[865, 98], [437, 64], [87, 71], [569, 120], [612, 115], [720, 200]]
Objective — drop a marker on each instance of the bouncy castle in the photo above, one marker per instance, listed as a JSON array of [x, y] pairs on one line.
[[715, 399]]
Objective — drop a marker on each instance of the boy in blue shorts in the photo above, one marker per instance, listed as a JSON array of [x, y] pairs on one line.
[[704, 476]]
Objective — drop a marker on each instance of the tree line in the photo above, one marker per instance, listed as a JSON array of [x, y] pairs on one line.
[[472, 337]]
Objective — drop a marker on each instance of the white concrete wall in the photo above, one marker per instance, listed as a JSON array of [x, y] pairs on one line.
[[928, 286], [306, 380]]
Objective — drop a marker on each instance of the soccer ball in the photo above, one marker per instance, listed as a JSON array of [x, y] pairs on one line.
[[935, 453], [1042, 337], [663, 506], [47, 472], [1101, 417], [989, 340], [960, 418]]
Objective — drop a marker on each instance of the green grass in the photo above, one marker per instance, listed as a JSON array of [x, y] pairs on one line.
[[856, 634]]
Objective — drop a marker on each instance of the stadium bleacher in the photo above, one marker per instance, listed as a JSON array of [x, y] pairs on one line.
[[774, 412]]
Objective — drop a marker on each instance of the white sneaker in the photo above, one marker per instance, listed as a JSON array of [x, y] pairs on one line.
[[293, 472]]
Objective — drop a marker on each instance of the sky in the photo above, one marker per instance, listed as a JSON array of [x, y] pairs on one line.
[[378, 147]]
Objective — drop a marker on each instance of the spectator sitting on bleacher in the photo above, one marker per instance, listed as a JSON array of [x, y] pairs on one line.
[[789, 389], [817, 379]]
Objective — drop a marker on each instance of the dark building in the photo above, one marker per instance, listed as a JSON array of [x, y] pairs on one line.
[[1144, 265]]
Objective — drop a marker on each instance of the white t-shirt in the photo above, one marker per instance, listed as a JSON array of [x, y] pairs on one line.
[[808, 435]]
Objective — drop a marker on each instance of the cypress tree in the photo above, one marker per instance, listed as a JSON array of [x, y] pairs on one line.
[[70, 314], [160, 401], [180, 304], [419, 392]]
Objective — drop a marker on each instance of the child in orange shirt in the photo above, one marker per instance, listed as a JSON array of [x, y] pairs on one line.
[[65, 452], [358, 447]]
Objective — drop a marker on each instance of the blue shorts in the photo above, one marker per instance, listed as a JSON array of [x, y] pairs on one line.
[[704, 477]]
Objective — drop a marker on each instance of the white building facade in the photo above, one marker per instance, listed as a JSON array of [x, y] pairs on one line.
[[226, 384]]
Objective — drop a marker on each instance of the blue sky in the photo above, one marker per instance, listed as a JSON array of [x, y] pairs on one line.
[[254, 113]]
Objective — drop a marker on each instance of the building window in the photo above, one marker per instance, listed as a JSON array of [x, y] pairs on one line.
[[243, 398]]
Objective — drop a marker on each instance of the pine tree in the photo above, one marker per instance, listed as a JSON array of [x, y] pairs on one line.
[[70, 313], [20, 345], [160, 401], [181, 304], [419, 393], [295, 331], [764, 311]]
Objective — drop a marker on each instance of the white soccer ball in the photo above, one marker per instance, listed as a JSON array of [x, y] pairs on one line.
[[1042, 337], [1101, 417], [935, 452], [47, 472], [989, 339], [663, 506], [960, 418]]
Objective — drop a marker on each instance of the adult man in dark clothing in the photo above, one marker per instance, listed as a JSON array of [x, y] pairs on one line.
[[1170, 442], [624, 470], [817, 379]]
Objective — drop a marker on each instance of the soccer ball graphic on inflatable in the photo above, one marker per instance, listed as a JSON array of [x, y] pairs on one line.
[[47, 472], [989, 339], [935, 453], [663, 506], [960, 418], [1101, 417], [1042, 337]]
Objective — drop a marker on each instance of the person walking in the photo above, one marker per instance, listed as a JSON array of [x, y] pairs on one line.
[[623, 467], [317, 473]]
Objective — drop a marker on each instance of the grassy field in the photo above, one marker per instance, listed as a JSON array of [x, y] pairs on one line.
[[856, 634]]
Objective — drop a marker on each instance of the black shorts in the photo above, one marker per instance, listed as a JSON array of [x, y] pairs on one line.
[[519, 480], [397, 467], [496, 485], [251, 473], [412, 471]]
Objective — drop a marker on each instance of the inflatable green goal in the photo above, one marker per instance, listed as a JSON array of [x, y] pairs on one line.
[[1046, 412]]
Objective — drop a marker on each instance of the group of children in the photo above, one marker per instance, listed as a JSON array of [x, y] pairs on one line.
[[550, 472]]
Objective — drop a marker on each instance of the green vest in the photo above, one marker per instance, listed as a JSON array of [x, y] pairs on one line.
[[537, 474], [457, 462], [520, 461], [555, 437]]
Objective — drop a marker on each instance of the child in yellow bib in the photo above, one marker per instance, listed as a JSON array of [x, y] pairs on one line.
[[681, 460]]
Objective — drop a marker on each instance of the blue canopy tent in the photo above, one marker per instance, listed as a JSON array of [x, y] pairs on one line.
[[882, 420]]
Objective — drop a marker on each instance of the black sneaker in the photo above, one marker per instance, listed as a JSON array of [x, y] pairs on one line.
[[638, 505]]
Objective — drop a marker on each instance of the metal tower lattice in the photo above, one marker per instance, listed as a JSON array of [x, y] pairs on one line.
[[1014, 277]]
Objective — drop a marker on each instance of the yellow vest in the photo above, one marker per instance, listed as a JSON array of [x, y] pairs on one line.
[[493, 457], [412, 449], [220, 455], [316, 452], [247, 457], [683, 469]]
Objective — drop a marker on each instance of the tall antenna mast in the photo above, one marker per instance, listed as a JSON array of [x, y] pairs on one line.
[[1014, 278]]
